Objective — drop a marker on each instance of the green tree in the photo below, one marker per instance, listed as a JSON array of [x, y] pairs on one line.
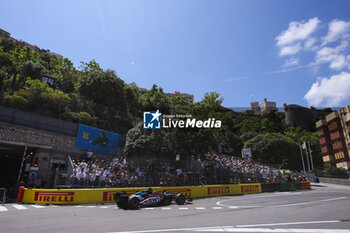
[[155, 99], [91, 66], [18, 100], [35, 89], [7, 45], [212, 100], [248, 135], [24, 54], [268, 126], [55, 102], [249, 125], [104, 88], [275, 148], [141, 143], [7, 63], [230, 143], [132, 95], [30, 69]]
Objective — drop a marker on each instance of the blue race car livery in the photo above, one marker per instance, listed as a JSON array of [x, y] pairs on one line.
[[147, 198]]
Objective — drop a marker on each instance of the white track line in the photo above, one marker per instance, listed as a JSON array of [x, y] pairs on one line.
[[38, 206], [274, 230], [170, 230], [20, 207], [90, 206], [309, 202], [200, 208], [258, 196], [3, 208], [149, 208], [217, 208], [166, 208], [104, 207], [289, 223], [183, 208]]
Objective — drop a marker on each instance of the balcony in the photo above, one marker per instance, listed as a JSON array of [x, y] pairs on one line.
[[326, 150], [336, 135], [338, 145], [328, 159], [320, 132], [339, 155], [334, 125], [345, 165], [322, 141]]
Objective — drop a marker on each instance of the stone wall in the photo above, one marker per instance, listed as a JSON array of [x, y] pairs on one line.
[[20, 134], [299, 116]]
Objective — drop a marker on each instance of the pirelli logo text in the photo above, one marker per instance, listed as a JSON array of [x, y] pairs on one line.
[[62, 197], [219, 190], [109, 195], [250, 189], [186, 192]]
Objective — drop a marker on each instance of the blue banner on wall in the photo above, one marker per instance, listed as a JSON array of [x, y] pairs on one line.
[[97, 140]]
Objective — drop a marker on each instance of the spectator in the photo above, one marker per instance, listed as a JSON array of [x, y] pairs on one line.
[[89, 155]]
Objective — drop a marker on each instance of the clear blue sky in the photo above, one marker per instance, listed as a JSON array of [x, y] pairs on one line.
[[294, 52]]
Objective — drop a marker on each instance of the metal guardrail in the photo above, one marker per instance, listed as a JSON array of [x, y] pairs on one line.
[[334, 181], [3, 193]]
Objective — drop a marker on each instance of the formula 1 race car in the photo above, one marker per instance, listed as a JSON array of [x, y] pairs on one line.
[[147, 198]]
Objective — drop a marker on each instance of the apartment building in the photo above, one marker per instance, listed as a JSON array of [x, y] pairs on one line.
[[334, 137]]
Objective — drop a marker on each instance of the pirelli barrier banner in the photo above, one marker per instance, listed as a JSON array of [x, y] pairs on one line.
[[81, 196]]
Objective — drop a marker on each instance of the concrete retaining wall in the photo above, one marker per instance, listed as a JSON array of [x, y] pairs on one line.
[[334, 181]]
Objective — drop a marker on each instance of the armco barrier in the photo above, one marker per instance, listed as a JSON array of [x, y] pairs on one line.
[[81, 196], [283, 187], [270, 187], [292, 186]]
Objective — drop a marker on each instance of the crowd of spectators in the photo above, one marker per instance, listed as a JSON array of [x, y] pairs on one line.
[[246, 168], [213, 168], [120, 172]]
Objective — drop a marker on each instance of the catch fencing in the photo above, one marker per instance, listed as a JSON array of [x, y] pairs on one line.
[[160, 172]]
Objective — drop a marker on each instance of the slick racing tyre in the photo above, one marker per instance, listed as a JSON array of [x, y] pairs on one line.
[[166, 201], [122, 205], [180, 199], [134, 203], [121, 198]]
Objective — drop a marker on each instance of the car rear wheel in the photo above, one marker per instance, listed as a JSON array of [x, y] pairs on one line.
[[134, 203], [180, 199], [166, 201]]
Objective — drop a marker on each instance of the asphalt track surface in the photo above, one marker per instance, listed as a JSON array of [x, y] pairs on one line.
[[326, 208]]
